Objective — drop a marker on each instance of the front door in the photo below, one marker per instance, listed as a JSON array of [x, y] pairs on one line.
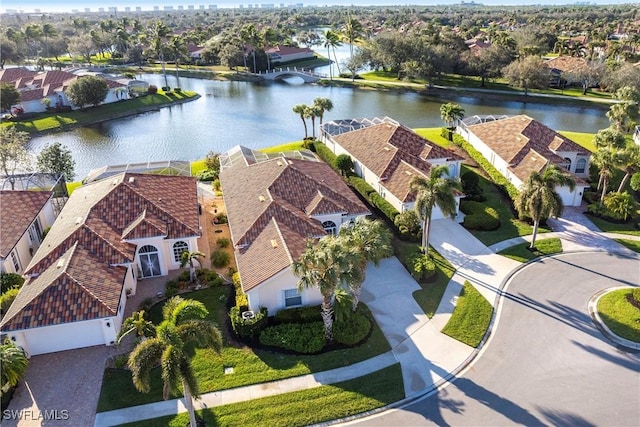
[[149, 261]]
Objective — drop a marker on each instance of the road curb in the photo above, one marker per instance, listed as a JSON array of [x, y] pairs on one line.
[[619, 342]]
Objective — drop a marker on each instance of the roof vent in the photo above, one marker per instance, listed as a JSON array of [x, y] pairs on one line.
[[114, 182], [60, 263], [387, 149], [279, 163], [132, 179], [274, 243], [408, 172], [261, 198], [78, 220]]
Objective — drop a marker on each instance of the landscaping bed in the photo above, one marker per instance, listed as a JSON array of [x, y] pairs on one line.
[[618, 311]]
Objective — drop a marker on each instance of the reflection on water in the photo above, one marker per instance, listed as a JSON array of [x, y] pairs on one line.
[[260, 115]]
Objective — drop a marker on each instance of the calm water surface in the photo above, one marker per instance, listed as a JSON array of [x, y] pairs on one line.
[[260, 115]]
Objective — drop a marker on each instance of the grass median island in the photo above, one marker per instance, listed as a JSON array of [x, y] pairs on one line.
[[65, 120], [470, 318], [522, 253], [303, 407], [619, 314], [251, 366]]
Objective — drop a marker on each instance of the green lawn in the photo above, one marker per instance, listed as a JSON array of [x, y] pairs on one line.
[[433, 135], [428, 298], [52, 121], [619, 315], [290, 146], [250, 366], [71, 186], [510, 225], [470, 318], [522, 253], [611, 227], [585, 140], [634, 245], [304, 407]]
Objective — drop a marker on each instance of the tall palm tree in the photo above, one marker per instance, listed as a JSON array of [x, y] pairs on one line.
[[311, 112], [48, 30], [539, 199], [435, 190], [371, 240], [326, 265], [138, 325], [322, 104], [188, 258], [301, 109], [451, 113], [184, 326], [607, 160], [179, 50], [331, 41], [158, 33], [353, 30], [630, 162], [14, 365]]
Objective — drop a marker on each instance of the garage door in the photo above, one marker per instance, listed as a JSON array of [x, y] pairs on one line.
[[64, 337]]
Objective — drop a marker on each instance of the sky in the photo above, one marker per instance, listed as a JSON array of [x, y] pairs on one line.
[[68, 5]]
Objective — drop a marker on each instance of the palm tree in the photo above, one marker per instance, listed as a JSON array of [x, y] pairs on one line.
[[331, 41], [48, 30], [158, 33], [323, 104], [311, 112], [621, 204], [14, 365], [432, 191], [302, 109], [609, 137], [538, 197], [372, 241], [137, 324], [630, 162], [326, 265], [179, 49], [184, 326], [606, 159], [187, 258], [451, 114], [353, 31]]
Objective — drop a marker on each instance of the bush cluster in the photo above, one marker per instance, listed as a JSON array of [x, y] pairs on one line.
[[223, 242], [303, 338], [496, 176], [326, 154], [6, 299], [421, 266], [471, 187], [352, 330], [208, 277], [299, 315], [248, 328], [220, 258], [368, 192], [479, 217], [361, 186], [10, 281], [173, 286], [409, 225]]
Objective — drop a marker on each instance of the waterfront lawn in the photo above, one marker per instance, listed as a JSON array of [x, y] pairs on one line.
[[303, 407], [470, 318], [198, 166], [90, 115], [251, 366], [585, 140], [620, 315], [289, 146], [71, 186], [522, 253], [433, 135], [634, 245]]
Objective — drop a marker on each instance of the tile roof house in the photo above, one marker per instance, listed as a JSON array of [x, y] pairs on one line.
[[388, 156], [25, 215], [274, 205], [109, 234], [289, 53], [561, 68], [519, 145]]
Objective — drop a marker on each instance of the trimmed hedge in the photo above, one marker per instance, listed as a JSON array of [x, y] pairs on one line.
[[302, 338], [248, 328], [326, 154], [352, 330], [496, 176], [387, 208], [299, 315], [479, 216], [361, 186]]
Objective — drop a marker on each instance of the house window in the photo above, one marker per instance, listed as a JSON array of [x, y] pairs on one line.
[[292, 298], [581, 165], [567, 166], [15, 261], [35, 232], [330, 227], [178, 248]]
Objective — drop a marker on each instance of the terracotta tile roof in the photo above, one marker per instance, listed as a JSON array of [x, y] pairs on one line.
[[288, 50], [9, 75], [76, 288], [384, 147], [31, 95], [565, 64], [272, 200], [89, 236], [18, 209]]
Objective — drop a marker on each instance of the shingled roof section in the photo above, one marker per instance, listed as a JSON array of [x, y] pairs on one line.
[[74, 274], [269, 204], [18, 209]]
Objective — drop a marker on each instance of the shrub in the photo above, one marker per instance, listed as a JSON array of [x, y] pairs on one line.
[[299, 315], [209, 277], [220, 259], [471, 187], [344, 164], [222, 242], [422, 267], [352, 330], [242, 303], [361, 186], [248, 328], [326, 154], [146, 304], [235, 277], [152, 89], [207, 175], [408, 224], [173, 286], [7, 298], [479, 216], [387, 208], [220, 219], [216, 184], [302, 338], [10, 281]]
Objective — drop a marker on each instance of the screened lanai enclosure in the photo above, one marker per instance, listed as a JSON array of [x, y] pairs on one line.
[[166, 167]]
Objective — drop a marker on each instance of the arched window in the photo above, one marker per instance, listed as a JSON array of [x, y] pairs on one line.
[[568, 165], [178, 248], [147, 249], [581, 165], [330, 227]]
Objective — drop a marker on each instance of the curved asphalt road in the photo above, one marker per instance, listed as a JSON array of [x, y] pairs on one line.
[[546, 363]]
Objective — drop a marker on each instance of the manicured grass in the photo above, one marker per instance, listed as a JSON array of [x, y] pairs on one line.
[[251, 366], [470, 318], [510, 225], [585, 140], [304, 407], [198, 166], [433, 135], [290, 146], [620, 315], [71, 186], [47, 122], [611, 227], [634, 245], [428, 298], [522, 253]]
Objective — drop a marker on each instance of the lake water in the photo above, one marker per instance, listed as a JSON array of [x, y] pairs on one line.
[[260, 115]]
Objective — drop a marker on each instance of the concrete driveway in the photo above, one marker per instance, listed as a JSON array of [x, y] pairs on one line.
[[546, 363]]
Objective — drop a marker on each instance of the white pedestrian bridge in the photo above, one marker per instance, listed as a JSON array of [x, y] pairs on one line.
[[281, 73]]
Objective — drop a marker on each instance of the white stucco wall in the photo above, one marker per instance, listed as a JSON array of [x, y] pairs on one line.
[[165, 251], [571, 198], [270, 293]]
